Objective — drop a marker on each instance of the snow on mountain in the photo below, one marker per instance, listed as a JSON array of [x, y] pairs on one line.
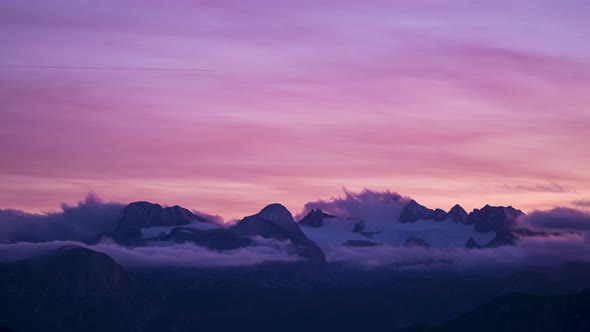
[[383, 226], [436, 234]]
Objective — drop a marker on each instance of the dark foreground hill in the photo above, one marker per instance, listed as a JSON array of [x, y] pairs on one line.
[[77, 289], [73, 289], [523, 312]]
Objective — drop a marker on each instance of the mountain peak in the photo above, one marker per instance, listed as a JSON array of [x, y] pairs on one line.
[[138, 215], [414, 211], [273, 221], [458, 214], [494, 218], [315, 218], [276, 212]]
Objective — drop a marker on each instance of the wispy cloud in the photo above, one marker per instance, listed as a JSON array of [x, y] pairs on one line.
[[582, 203], [540, 187]]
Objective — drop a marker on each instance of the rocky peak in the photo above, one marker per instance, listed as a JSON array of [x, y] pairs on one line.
[[440, 215], [413, 211], [138, 215], [274, 221], [458, 214], [494, 218], [145, 214], [277, 213], [315, 218]]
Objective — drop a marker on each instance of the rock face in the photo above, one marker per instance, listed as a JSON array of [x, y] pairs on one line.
[[315, 218], [74, 289], [79, 272], [276, 222], [458, 214], [140, 215], [494, 218], [416, 242], [472, 244], [359, 227], [215, 239], [440, 215], [413, 212], [522, 312]]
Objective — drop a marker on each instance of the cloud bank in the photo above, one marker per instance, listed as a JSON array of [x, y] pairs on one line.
[[160, 255], [541, 251], [366, 205], [582, 203], [82, 222], [558, 219]]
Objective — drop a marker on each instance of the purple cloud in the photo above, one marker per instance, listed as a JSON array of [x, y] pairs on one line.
[[82, 222], [177, 255], [561, 219], [582, 203], [550, 187], [541, 251], [367, 204]]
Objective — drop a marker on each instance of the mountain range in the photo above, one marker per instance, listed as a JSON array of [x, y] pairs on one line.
[[143, 223], [156, 268]]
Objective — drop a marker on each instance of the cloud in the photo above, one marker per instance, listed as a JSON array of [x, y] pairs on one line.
[[582, 203], [366, 205], [160, 255], [550, 187], [82, 222], [541, 251], [560, 219], [212, 217]]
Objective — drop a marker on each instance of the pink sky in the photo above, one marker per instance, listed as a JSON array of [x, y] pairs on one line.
[[467, 102]]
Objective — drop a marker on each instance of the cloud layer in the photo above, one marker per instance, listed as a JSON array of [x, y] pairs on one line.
[[365, 205], [82, 222], [160, 255], [558, 219]]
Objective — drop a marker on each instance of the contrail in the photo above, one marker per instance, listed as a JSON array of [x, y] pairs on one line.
[[108, 68]]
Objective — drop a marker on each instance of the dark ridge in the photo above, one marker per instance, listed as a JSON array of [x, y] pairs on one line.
[[360, 243], [315, 218], [458, 214], [138, 215], [413, 211], [522, 312], [494, 218], [276, 222], [216, 239]]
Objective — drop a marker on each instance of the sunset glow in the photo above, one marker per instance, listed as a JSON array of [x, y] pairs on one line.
[[448, 102]]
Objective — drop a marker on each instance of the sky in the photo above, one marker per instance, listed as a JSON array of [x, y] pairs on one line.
[[468, 102]]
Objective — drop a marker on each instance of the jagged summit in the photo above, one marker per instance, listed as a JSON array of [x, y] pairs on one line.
[[494, 218], [276, 222], [315, 218], [139, 215], [146, 214], [414, 211], [458, 214]]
